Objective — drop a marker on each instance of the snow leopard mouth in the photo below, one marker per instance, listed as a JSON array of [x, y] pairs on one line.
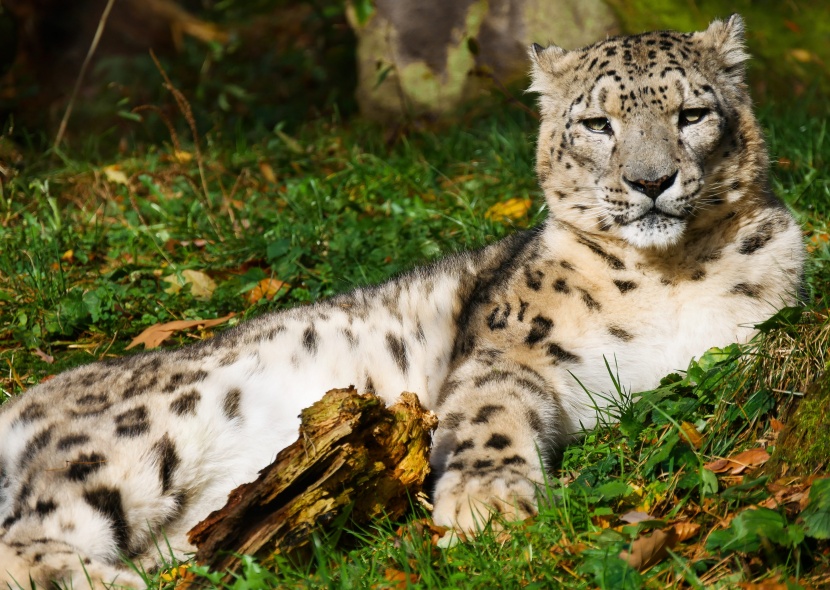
[[653, 217]]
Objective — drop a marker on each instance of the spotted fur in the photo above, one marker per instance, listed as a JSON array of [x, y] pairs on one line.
[[663, 240]]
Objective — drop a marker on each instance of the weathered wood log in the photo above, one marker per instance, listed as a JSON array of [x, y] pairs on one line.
[[353, 453]]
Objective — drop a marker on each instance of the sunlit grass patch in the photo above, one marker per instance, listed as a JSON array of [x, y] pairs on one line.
[[87, 256]]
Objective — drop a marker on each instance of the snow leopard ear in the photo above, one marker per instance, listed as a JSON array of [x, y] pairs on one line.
[[545, 61], [727, 39]]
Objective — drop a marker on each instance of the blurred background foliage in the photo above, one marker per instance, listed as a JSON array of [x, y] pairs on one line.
[[789, 40], [248, 66]]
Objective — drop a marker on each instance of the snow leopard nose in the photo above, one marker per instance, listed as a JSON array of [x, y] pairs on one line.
[[652, 188]]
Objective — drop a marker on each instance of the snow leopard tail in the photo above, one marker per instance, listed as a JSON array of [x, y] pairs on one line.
[[42, 562]]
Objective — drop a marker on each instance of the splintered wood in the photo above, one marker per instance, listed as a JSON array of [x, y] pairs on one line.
[[354, 458]]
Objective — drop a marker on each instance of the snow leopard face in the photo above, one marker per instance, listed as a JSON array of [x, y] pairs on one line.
[[639, 134]]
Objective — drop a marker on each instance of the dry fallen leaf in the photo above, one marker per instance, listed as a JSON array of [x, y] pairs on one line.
[[158, 333], [267, 288], [398, 579], [201, 285], [455, 181], [46, 358], [267, 172], [816, 240], [602, 522], [649, 550], [514, 208], [114, 174], [685, 530], [768, 585], [776, 425], [691, 434], [801, 55], [182, 157], [635, 516], [292, 144], [739, 463]]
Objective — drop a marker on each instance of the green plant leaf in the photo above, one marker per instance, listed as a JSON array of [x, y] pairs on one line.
[[750, 527], [817, 513], [784, 318], [363, 9], [612, 489], [609, 571]]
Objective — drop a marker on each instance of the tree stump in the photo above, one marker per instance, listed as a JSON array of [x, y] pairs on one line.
[[355, 457]]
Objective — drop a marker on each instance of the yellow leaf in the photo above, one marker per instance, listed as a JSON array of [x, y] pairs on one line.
[[158, 333], [204, 30], [685, 530], [176, 284], [182, 156], [514, 208], [801, 55], [114, 174], [201, 285], [690, 433], [267, 172], [68, 256], [267, 288], [291, 143]]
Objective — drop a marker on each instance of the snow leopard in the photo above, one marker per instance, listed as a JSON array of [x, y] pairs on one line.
[[663, 239]]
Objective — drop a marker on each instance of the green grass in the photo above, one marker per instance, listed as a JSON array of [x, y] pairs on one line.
[[83, 259]]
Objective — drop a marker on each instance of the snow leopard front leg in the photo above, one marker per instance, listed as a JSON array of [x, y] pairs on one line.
[[497, 420]]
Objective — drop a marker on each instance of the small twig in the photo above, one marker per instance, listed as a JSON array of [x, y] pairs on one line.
[[187, 111], [228, 198], [788, 392], [184, 107], [174, 137], [92, 47]]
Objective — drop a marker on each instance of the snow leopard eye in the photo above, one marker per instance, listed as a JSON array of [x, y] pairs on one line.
[[598, 125], [692, 116]]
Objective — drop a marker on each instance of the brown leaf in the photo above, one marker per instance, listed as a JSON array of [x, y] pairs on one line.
[[768, 585], [267, 172], [267, 288], [748, 460], [776, 425], [792, 26], [46, 358], [739, 463], [685, 530], [718, 465], [158, 333], [784, 163], [649, 550], [398, 579]]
